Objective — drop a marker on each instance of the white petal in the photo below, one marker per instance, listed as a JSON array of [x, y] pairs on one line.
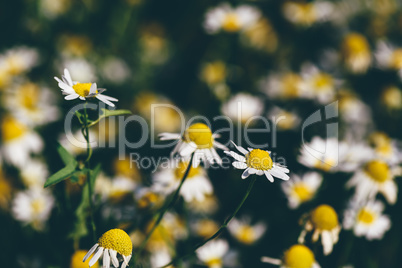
[[89, 253], [71, 97], [96, 256], [68, 77], [239, 165], [106, 259], [245, 174], [101, 98], [169, 136], [236, 156], [113, 255], [269, 176], [240, 149]]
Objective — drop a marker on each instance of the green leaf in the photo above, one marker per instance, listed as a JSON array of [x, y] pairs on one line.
[[107, 113], [66, 156], [61, 175]]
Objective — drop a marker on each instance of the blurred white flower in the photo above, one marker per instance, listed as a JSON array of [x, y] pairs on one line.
[[389, 57], [31, 104], [19, 59], [80, 68], [53, 8], [245, 232], [34, 173], [115, 70], [367, 220], [282, 86], [375, 177], [114, 189], [284, 120], [33, 206], [213, 253], [196, 186], [18, 141], [306, 14], [301, 189], [224, 17], [243, 107], [356, 53]]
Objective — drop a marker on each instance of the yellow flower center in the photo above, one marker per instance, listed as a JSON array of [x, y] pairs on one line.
[[299, 256], [259, 159], [147, 200], [365, 216], [29, 96], [181, 169], [37, 206], [246, 235], [214, 72], [216, 262], [324, 165], [396, 61], [323, 81], [82, 89], [307, 13], [324, 217], [377, 170], [12, 129], [392, 97], [302, 192], [118, 240], [207, 228], [355, 44], [76, 260], [200, 134], [231, 23]]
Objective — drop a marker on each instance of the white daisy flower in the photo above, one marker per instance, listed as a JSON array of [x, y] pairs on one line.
[[375, 177], [256, 161], [283, 119], [75, 90], [243, 107], [198, 139], [224, 17], [114, 189], [246, 233], [34, 173], [301, 189], [295, 256], [19, 59], [309, 13], [18, 142], [323, 220], [33, 206], [31, 104], [283, 86], [389, 57], [367, 220], [385, 148], [109, 244], [195, 187], [356, 53], [353, 154], [321, 154], [317, 85], [213, 252]]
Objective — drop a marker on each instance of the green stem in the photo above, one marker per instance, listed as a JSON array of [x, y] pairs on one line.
[[85, 132], [165, 209], [220, 230]]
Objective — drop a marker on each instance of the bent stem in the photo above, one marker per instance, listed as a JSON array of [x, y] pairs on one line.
[[165, 209], [220, 230], [85, 132]]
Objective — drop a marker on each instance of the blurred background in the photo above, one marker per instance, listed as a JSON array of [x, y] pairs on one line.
[[277, 58]]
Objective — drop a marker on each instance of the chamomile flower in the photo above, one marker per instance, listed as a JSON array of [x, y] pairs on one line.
[[261, 36], [19, 59], [283, 119], [385, 148], [34, 173], [243, 108], [367, 220], [389, 57], [53, 8], [306, 14], [229, 19], [323, 221], [205, 228], [198, 139], [245, 232], [320, 154], [301, 189], [283, 86], [75, 90], [109, 244], [317, 84], [18, 141], [353, 154], [375, 177], [196, 186], [356, 53], [33, 207], [297, 256], [256, 161], [114, 189], [213, 253], [31, 104], [208, 206], [391, 98]]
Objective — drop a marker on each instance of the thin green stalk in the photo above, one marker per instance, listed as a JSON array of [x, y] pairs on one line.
[[165, 209], [85, 132], [223, 226]]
